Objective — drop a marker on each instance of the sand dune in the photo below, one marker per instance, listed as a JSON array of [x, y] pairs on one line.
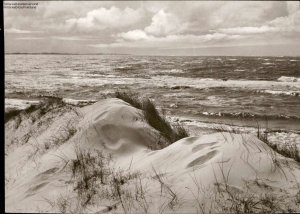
[[198, 174], [116, 126]]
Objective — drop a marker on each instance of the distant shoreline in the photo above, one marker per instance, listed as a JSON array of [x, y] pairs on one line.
[[120, 54], [63, 54]]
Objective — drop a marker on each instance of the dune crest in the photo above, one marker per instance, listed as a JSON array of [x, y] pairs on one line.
[[116, 126]]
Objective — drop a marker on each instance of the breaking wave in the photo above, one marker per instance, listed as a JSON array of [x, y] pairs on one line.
[[287, 93], [247, 115], [288, 79]]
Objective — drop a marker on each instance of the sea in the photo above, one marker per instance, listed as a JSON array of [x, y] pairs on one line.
[[195, 90]]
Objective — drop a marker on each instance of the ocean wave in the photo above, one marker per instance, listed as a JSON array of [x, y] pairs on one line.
[[19, 104], [246, 115], [287, 93], [230, 127], [172, 71], [288, 79], [78, 102], [180, 87], [200, 83], [268, 63]]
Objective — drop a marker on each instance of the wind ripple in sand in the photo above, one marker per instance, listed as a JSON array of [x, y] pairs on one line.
[[202, 159], [201, 146]]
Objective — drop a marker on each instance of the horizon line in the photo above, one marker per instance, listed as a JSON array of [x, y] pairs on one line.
[[57, 53]]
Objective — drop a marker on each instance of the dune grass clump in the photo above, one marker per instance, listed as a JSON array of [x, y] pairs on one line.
[[160, 123], [286, 150], [87, 169], [95, 179], [11, 114], [154, 118], [64, 133], [130, 98], [43, 108]]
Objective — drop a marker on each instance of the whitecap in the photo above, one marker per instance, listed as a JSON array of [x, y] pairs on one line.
[[78, 102], [268, 63], [19, 104], [288, 93], [288, 79]]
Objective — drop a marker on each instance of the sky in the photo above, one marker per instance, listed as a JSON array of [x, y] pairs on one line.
[[246, 28]]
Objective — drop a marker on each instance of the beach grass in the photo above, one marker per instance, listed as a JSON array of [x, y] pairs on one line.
[[286, 150], [43, 108], [153, 117]]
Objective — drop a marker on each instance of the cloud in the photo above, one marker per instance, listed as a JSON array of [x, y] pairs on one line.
[[70, 38], [292, 6], [239, 14], [154, 24], [165, 30], [68, 9], [248, 30], [139, 38], [164, 24], [30, 38], [18, 31], [103, 18], [134, 35], [287, 23]]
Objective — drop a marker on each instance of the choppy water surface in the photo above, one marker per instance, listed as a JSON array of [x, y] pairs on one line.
[[232, 90]]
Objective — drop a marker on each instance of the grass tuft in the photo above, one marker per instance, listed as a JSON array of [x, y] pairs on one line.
[[130, 98], [154, 118], [42, 108], [11, 114], [88, 168], [286, 150]]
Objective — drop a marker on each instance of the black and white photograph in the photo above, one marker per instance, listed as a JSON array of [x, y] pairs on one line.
[[151, 107]]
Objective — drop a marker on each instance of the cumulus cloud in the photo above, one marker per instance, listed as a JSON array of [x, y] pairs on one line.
[[165, 30], [287, 23], [134, 35], [164, 23], [104, 18], [156, 23]]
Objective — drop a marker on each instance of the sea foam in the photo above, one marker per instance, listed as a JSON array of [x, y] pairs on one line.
[[288, 79]]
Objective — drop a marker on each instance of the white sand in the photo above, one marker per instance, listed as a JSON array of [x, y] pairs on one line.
[[35, 174]]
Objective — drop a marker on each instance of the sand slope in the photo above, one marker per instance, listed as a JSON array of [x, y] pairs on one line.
[[195, 168]]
